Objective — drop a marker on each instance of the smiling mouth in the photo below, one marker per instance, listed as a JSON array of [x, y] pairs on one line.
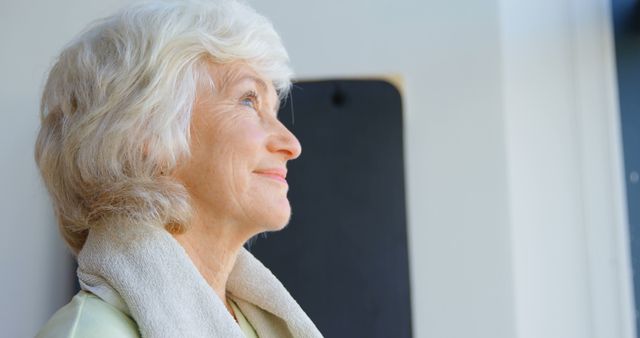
[[278, 175], [275, 177]]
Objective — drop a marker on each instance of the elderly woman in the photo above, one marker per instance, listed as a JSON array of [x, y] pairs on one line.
[[161, 148]]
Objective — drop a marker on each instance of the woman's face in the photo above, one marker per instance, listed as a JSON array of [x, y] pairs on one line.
[[239, 152]]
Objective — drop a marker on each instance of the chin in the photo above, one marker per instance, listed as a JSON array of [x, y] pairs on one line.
[[277, 220], [277, 225], [271, 214]]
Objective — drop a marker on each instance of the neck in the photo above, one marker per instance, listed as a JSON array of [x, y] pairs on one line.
[[213, 247]]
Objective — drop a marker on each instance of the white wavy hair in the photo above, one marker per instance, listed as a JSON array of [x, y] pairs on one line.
[[117, 105]]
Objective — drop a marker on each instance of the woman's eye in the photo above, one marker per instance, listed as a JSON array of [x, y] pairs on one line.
[[250, 100], [247, 102]]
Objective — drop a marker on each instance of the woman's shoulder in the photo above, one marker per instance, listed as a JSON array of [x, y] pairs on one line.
[[88, 316]]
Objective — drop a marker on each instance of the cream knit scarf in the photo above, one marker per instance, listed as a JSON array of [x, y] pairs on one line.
[[145, 272]]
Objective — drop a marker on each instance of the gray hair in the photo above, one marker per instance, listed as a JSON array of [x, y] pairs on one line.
[[117, 105]]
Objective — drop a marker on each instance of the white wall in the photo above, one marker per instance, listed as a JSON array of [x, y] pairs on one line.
[[567, 207], [36, 268], [488, 259], [545, 193]]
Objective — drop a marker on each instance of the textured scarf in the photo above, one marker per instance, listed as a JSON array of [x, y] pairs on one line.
[[144, 272]]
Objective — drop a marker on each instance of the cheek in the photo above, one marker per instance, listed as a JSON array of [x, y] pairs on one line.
[[248, 144], [243, 151], [253, 132]]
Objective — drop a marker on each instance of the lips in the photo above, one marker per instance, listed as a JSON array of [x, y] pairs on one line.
[[275, 173]]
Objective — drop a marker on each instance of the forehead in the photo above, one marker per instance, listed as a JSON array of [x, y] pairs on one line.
[[230, 75]]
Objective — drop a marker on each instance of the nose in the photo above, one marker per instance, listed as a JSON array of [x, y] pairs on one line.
[[284, 142]]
